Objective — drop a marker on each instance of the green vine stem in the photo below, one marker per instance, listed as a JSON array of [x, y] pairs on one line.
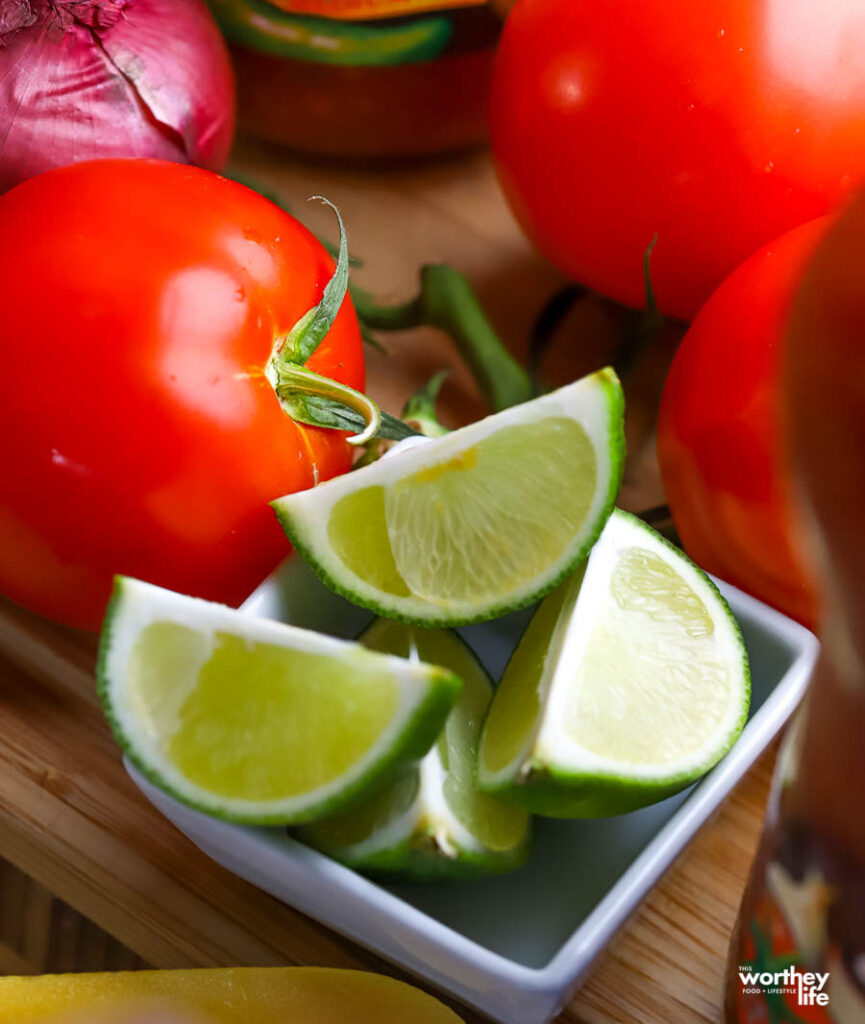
[[420, 410], [448, 302]]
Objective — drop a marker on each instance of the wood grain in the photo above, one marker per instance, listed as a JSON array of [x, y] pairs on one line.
[[72, 820], [40, 934]]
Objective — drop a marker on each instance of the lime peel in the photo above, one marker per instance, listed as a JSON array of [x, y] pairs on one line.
[[180, 729]]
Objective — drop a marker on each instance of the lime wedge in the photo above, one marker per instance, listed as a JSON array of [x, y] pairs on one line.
[[471, 525], [432, 822], [253, 720], [630, 682]]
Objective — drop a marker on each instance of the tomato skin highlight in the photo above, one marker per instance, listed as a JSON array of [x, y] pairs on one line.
[[141, 300], [720, 442], [717, 125]]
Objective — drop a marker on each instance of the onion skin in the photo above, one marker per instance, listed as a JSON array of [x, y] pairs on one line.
[[130, 78]]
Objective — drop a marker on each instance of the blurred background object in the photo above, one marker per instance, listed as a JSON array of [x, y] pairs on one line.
[[392, 84], [81, 79], [503, 7], [804, 907]]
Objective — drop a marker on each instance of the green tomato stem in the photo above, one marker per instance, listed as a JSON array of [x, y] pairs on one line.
[[448, 302]]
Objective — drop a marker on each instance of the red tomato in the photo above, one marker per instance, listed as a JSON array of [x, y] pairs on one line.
[[140, 302], [720, 444], [717, 124]]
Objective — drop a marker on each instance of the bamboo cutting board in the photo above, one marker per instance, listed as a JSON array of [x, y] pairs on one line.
[[71, 819]]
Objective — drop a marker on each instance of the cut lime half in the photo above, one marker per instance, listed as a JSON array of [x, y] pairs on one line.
[[253, 720], [433, 822], [474, 524], [630, 682]]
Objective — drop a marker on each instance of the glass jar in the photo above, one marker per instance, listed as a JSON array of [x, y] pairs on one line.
[[395, 85]]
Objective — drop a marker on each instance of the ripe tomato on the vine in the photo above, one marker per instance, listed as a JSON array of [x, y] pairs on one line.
[[140, 305], [716, 125], [720, 439]]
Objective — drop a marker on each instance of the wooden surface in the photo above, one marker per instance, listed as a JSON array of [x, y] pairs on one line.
[[40, 934], [71, 819]]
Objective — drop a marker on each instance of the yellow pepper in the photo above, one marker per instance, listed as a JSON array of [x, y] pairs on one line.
[[239, 995]]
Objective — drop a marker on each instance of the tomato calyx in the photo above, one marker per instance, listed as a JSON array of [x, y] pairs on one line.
[[446, 301], [308, 333], [308, 397]]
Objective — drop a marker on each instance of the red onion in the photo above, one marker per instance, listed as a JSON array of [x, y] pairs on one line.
[[81, 79]]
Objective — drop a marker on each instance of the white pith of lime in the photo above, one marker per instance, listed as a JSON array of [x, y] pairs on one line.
[[630, 682]]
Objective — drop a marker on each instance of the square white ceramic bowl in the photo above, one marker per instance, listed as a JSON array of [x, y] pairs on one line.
[[513, 946]]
